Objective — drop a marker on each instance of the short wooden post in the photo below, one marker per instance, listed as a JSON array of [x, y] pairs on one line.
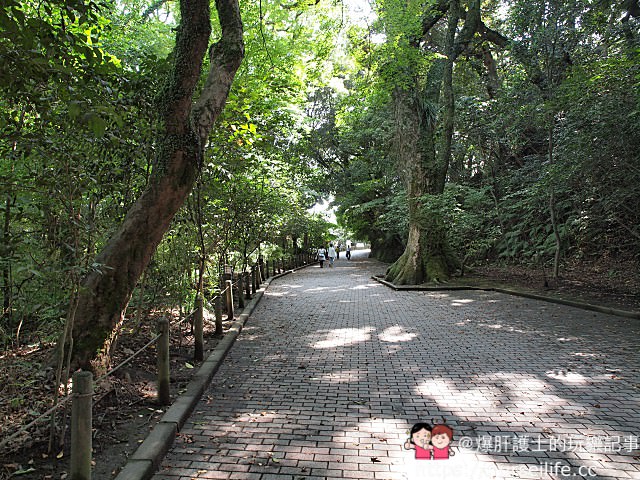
[[198, 330], [261, 277], [229, 289], [240, 290], [164, 397], [247, 285], [253, 279], [81, 424], [218, 311]]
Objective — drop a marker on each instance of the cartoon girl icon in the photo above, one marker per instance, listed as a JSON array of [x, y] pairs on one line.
[[419, 438], [441, 437]]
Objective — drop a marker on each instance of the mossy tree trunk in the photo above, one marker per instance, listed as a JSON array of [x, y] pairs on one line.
[[427, 256], [424, 122], [106, 291]]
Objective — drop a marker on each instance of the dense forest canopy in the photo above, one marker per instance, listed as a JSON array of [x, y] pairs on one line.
[[449, 133]]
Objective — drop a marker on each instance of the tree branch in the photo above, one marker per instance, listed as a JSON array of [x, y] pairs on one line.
[[471, 25], [433, 15], [225, 57], [493, 36]]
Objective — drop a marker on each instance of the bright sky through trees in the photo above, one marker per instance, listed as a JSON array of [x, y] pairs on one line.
[[359, 11]]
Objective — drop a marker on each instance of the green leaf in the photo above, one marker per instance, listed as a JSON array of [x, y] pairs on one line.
[[23, 471], [97, 125]]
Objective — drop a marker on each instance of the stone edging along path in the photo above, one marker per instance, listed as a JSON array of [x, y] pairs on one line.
[[145, 461], [562, 301]]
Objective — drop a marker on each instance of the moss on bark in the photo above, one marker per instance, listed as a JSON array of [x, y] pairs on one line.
[[427, 258]]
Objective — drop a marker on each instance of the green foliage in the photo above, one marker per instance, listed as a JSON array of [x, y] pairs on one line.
[[467, 216], [78, 93], [569, 79], [251, 197]]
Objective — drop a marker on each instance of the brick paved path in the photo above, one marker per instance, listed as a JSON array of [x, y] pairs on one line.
[[333, 369]]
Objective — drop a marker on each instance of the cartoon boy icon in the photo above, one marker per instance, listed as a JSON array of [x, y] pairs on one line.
[[419, 438], [441, 437]]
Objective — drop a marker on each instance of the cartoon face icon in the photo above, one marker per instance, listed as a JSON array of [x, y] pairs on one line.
[[441, 440], [441, 436], [421, 438]]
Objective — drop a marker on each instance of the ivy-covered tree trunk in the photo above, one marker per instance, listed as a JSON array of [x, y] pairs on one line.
[[106, 291], [427, 256]]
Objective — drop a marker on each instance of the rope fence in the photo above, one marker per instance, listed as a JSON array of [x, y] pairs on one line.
[[245, 285]]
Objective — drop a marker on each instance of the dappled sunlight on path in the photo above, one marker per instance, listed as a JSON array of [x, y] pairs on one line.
[[333, 369]]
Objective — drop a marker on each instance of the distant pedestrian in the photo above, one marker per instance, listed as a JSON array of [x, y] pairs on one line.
[[348, 254], [322, 255], [332, 254], [338, 252]]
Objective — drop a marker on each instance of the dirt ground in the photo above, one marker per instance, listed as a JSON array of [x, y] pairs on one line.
[[125, 406], [600, 282]]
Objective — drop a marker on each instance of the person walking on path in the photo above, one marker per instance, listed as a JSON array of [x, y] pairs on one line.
[[348, 254], [322, 255], [332, 255]]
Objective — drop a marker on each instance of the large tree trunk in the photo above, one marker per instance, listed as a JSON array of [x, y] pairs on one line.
[[106, 291], [427, 256]]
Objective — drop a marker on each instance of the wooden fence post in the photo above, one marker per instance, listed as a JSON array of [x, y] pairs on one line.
[[253, 279], [247, 285], [229, 290], [81, 424], [218, 310], [164, 397], [261, 277], [240, 290], [198, 329]]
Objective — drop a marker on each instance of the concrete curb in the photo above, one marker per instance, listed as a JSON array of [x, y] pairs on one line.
[[147, 458], [561, 301]]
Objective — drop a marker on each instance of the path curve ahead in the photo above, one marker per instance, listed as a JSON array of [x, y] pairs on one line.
[[333, 369]]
